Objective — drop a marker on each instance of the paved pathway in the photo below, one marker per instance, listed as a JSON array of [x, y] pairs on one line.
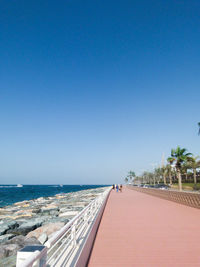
[[141, 230]]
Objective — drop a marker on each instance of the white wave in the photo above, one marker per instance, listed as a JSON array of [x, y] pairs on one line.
[[2, 186]]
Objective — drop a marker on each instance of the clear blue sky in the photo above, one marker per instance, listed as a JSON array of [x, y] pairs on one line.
[[92, 89]]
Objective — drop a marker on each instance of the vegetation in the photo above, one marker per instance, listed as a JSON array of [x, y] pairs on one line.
[[187, 186], [193, 163], [180, 156], [182, 171], [131, 176]]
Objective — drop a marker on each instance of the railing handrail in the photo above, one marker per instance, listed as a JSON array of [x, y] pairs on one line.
[[37, 255], [55, 237]]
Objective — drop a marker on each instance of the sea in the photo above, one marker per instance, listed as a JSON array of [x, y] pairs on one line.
[[10, 194]]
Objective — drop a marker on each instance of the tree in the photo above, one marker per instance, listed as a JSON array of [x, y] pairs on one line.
[[180, 156], [199, 128], [126, 180], [151, 178], [169, 173], [158, 173], [164, 172], [185, 168], [131, 175], [194, 164], [170, 161]]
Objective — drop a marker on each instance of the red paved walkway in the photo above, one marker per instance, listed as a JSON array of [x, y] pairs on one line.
[[142, 230]]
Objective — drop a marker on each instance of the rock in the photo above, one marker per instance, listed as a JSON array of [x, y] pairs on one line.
[[9, 261], [8, 250], [12, 224], [37, 210], [18, 242], [51, 210], [68, 213], [25, 215], [11, 249], [48, 229], [25, 211], [6, 237], [59, 197], [43, 238], [25, 202], [3, 211], [12, 246], [39, 219], [22, 241], [2, 252], [6, 226], [3, 229], [28, 226], [56, 220]]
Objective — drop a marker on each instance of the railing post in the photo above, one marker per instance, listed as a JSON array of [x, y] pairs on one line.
[[86, 217], [73, 234], [29, 251]]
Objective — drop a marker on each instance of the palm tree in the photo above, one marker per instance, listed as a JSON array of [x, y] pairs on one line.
[[185, 168], [180, 156], [164, 172], [170, 161], [169, 173], [158, 174], [151, 178], [194, 164], [131, 175], [126, 180]]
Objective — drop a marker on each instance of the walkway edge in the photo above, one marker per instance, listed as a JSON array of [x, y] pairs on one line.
[[84, 255]]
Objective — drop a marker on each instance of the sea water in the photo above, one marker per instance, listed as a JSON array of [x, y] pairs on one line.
[[10, 194]]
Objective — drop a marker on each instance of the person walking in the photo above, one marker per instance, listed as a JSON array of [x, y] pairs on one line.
[[121, 188], [117, 188]]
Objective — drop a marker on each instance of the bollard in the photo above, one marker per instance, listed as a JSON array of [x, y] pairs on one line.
[[28, 251]]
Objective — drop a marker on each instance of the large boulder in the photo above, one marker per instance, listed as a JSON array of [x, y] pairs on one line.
[[43, 238], [69, 214], [8, 261], [6, 226], [23, 241], [6, 237], [56, 220], [3, 229], [50, 210], [47, 229], [28, 226], [11, 246]]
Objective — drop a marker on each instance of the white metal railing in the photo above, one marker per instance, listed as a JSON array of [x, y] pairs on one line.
[[66, 244]]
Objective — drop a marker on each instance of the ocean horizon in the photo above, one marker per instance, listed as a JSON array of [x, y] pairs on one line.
[[12, 193]]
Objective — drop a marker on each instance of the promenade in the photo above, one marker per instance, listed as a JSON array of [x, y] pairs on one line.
[[142, 230]]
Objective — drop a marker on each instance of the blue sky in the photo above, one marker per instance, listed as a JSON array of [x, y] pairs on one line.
[[92, 89]]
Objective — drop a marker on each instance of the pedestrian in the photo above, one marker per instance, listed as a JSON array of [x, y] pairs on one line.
[[113, 187], [121, 188], [117, 188]]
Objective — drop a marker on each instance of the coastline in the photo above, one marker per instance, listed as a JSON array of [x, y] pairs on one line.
[[10, 194], [35, 221]]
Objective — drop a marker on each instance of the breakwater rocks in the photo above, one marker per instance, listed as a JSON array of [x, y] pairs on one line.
[[35, 221]]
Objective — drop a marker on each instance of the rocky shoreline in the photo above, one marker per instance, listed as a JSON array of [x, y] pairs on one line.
[[35, 221]]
